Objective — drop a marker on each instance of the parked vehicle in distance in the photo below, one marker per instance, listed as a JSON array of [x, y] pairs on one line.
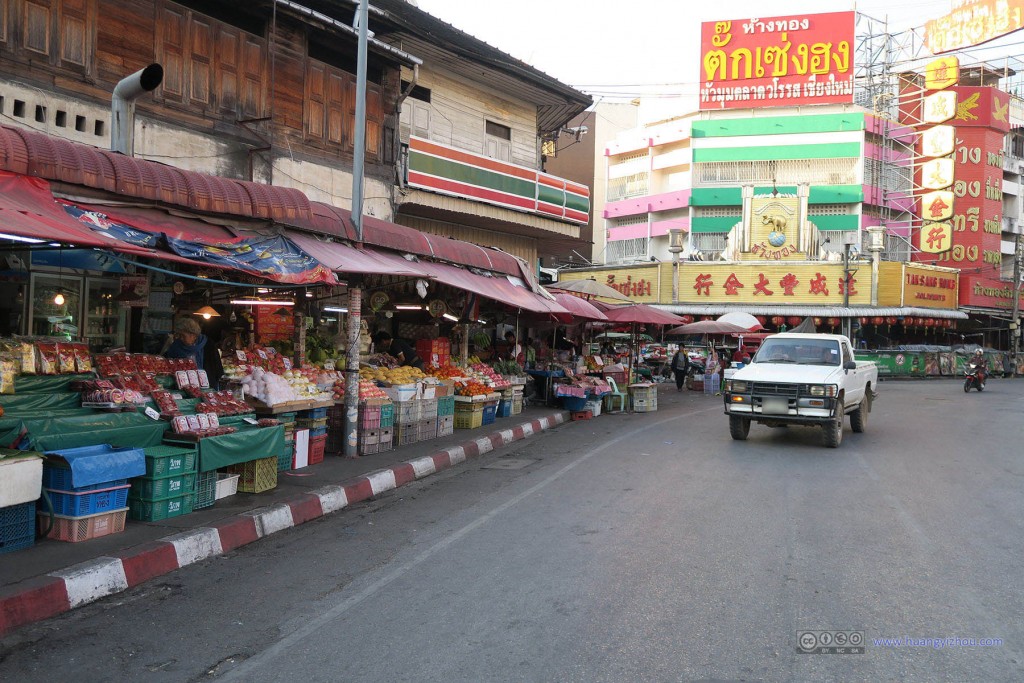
[[802, 379]]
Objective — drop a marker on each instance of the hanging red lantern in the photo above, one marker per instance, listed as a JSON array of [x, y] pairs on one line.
[[794, 321], [706, 317], [817, 322], [762, 319], [877, 320], [777, 320], [929, 322], [687, 319], [833, 322], [891, 320]]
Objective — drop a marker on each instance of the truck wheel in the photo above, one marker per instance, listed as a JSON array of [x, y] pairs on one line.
[[739, 427], [832, 433], [859, 417]]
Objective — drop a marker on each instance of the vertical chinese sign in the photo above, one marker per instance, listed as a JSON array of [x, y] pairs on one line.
[[782, 61]]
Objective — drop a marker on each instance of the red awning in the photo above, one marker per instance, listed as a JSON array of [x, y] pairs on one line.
[[579, 308], [28, 209], [344, 259], [156, 221], [499, 288]]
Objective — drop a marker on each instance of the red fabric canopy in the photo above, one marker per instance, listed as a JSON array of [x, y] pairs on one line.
[[579, 308], [345, 259], [498, 288], [640, 313]]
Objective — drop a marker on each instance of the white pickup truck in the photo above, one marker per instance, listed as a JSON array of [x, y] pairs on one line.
[[803, 379]]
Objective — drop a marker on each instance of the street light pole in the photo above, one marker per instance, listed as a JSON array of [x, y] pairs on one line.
[[1018, 254], [675, 246]]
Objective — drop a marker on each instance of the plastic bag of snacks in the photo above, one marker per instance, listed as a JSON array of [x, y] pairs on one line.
[[48, 364], [27, 353], [66, 359], [83, 359], [8, 371]]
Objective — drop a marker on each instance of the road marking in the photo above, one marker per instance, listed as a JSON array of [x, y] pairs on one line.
[[285, 646]]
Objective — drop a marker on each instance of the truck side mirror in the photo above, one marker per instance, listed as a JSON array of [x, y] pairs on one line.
[[850, 365]]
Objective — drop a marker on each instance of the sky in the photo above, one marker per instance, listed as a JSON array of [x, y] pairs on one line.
[[618, 50]]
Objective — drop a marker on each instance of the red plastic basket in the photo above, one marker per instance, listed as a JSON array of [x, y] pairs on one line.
[[317, 446]]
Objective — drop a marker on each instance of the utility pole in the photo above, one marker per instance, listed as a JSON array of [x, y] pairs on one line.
[[675, 246], [1018, 254], [355, 291]]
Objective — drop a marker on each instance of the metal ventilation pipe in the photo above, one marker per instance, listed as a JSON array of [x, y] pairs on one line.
[[122, 106]]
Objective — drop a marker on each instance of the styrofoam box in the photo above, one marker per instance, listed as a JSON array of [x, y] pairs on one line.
[[401, 392], [21, 480]]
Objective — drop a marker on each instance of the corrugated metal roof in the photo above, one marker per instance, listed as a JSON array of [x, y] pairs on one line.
[[821, 311], [31, 153]]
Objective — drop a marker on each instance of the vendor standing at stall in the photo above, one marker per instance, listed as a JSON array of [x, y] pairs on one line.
[[515, 351], [189, 342], [384, 343]]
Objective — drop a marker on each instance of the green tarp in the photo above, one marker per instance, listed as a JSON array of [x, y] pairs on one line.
[[45, 384], [116, 429], [248, 443], [30, 402]]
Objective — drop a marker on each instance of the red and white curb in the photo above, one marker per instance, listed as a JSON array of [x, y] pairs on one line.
[[60, 591]]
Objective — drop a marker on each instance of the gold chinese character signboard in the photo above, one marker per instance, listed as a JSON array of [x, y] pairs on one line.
[[939, 107], [937, 174], [937, 206], [938, 141], [936, 237], [972, 23], [942, 73], [774, 230]]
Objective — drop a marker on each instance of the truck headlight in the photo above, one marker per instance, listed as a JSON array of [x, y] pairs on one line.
[[822, 389], [737, 386]]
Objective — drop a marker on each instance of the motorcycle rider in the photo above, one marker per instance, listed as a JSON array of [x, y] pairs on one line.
[[979, 361]]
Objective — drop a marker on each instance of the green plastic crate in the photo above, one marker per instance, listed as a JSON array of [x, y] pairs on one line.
[[162, 461], [387, 415], [284, 458], [151, 488], [445, 406], [155, 510], [206, 490]]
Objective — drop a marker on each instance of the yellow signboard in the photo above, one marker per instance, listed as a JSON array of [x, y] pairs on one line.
[[641, 284], [939, 107], [938, 141], [774, 228], [942, 73], [937, 174], [929, 288], [773, 284], [936, 237], [937, 206]]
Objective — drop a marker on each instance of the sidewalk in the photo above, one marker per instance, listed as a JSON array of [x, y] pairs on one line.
[[53, 577]]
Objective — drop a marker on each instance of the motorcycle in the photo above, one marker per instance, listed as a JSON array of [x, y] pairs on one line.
[[973, 377]]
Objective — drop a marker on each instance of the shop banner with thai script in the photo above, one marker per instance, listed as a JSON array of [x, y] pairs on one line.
[[927, 288], [973, 22], [777, 62], [275, 258]]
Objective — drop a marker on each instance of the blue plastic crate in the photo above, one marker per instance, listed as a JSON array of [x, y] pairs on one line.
[[106, 466], [313, 414], [574, 403], [504, 408], [59, 478], [489, 413], [78, 504], [319, 431], [17, 527]]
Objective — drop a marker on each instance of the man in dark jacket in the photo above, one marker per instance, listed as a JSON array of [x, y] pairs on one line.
[[680, 367]]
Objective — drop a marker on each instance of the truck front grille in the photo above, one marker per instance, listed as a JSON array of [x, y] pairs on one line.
[[775, 389]]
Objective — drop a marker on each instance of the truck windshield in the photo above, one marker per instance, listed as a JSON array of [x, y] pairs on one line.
[[802, 351]]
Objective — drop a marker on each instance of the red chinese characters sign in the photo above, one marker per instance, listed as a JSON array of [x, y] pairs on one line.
[[782, 61]]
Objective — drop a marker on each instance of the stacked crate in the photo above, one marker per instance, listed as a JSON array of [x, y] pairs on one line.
[[315, 420], [468, 415], [386, 438], [645, 397], [490, 412], [169, 487], [256, 476], [428, 419], [407, 421], [284, 459], [445, 415], [88, 511], [434, 351], [369, 426], [21, 475]]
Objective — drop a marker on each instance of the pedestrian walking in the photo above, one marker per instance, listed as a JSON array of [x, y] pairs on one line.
[[680, 366]]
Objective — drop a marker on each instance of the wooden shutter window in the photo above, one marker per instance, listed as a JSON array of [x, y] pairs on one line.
[[315, 100], [251, 65], [171, 25], [226, 86], [74, 32], [200, 57], [37, 25]]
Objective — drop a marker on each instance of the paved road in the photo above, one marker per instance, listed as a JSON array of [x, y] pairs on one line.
[[648, 547]]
